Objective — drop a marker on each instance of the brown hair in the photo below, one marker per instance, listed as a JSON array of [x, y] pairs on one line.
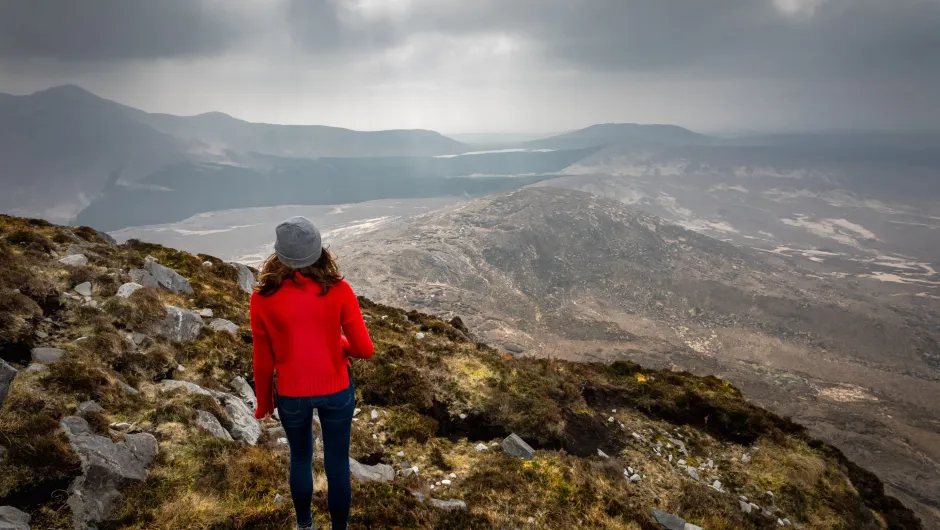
[[273, 273]]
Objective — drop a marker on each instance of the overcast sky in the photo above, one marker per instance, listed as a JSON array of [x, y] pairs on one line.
[[492, 65]]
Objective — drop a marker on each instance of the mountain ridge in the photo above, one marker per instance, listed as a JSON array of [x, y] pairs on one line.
[[613, 445]]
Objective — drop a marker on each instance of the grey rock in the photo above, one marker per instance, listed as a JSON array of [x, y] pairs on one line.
[[88, 406], [205, 313], [83, 289], [106, 468], [142, 277], [206, 263], [376, 473], [245, 391], [42, 334], [36, 367], [13, 519], [745, 507], [245, 428], [167, 278], [280, 499], [47, 355], [128, 289], [180, 325], [480, 447], [75, 260], [220, 324], [668, 521], [210, 423], [450, 505], [418, 495], [746, 458], [138, 338], [108, 240], [121, 426], [692, 472], [690, 526], [513, 445], [7, 374], [602, 454], [246, 278], [173, 384]]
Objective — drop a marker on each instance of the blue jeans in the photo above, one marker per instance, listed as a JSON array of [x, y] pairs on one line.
[[336, 412]]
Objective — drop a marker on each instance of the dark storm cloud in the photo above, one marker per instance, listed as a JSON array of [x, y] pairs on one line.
[[764, 38], [101, 30]]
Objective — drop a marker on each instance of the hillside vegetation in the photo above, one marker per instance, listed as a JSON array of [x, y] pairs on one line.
[[613, 443]]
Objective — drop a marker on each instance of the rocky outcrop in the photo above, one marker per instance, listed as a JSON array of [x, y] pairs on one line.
[[7, 373], [106, 468], [210, 423], [155, 275], [245, 391], [246, 278], [180, 325], [245, 428], [513, 445], [47, 356], [376, 473], [13, 519]]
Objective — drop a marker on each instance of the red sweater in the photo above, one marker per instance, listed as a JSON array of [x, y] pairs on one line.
[[296, 333]]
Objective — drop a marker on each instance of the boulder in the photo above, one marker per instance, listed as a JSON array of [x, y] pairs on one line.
[[88, 406], [245, 428], [211, 424], [245, 391], [13, 519], [106, 468], [128, 289], [220, 324], [75, 260], [246, 278], [47, 355], [376, 473], [36, 367], [450, 505], [83, 289], [513, 445], [205, 313], [480, 447], [180, 325], [668, 521], [7, 373], [745, 506], [143, 277], [167, 278]]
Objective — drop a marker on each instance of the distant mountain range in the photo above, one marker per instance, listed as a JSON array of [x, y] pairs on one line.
[[71, 155]]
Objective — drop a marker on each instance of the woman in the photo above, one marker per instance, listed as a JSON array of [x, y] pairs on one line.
[[298, 308]]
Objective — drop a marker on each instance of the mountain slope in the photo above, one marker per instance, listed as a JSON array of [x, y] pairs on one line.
[[60, 146], [625, 134], [571, 275], [614, 443], [223, 132]]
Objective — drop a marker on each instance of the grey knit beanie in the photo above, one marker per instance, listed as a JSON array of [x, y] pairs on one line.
[[298, 242]]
